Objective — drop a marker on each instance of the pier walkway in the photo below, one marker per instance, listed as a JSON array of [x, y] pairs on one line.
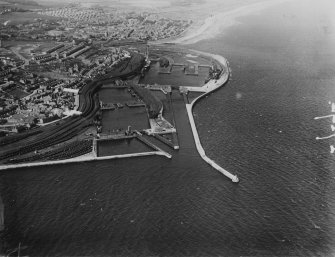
[[210, 87], [166, 141], [148, 143], [86, 158], [201, 150]]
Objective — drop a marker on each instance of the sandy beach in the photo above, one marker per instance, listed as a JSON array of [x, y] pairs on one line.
[[216, 23]]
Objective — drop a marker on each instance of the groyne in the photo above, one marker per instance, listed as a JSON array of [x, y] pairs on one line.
[[209, 88]]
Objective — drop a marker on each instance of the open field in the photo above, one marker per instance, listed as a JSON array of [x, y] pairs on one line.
[[16, 18]]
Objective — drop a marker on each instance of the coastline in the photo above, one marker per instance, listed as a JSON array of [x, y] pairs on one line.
[[208, 88], [214, 25], [259, 125], [202, 29]]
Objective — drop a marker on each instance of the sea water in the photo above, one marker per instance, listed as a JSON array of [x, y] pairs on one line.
[[260, 126]]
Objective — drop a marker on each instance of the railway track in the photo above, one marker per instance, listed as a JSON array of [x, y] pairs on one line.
[[55, 134]]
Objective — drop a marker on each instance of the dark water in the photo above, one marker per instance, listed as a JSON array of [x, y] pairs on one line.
[[121, 118], [111, 95], [177, 76], [260, 126], [121, 146]]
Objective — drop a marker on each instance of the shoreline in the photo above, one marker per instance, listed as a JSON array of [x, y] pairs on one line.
[[203, 29], [209, 28], [206, 89]]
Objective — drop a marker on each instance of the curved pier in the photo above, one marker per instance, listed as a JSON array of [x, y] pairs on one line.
[[210, 87]]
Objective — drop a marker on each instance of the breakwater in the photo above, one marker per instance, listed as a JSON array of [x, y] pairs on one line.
[[84, 159], [209, 88]]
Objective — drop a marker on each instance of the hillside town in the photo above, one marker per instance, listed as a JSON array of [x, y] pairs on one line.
[[45, 62], [115, 24], [44, 88], [77, 22]]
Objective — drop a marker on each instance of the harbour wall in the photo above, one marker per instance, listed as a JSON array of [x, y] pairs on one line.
[[189, 107], [84, 159]]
